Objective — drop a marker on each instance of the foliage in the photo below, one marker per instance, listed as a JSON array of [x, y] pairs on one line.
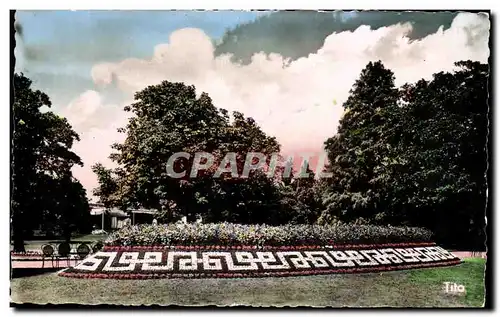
[[115, 188], [414, 157], [299, 197], [444, 161], [65, 209], [169, 118], [356, 152], [260, 235], [41, 165]]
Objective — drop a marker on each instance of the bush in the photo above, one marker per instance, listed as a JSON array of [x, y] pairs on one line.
[[259, 235]]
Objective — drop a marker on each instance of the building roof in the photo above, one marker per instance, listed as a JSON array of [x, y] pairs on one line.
[[115, 212]]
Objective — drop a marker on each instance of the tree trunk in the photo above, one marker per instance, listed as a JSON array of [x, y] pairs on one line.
[[67, 234], [17, 234], [19, 244]]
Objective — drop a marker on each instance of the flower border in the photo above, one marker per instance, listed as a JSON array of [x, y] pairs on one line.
[[265, 247], [154, 275], [142, 276]]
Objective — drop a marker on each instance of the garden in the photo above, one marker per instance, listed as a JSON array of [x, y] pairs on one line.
[[227, 264], [378, 225], [227, 250]]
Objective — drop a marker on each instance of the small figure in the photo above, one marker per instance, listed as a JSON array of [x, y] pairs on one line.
[[155, 222]]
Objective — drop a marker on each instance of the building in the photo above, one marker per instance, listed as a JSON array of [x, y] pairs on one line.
[[114, 218]]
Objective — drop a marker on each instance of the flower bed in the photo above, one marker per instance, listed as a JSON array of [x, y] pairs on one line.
[[150, 262], [228, 234], [227, 250], [266, 247]]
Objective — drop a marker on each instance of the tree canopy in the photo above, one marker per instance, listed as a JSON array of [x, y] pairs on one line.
[[414, 156], [169, 118], [44, 193]]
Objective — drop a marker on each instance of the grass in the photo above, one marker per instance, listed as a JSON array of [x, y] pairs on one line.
[[470, 274], [413, 288]]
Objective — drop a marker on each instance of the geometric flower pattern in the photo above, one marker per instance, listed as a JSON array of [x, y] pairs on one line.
[[254, 263]]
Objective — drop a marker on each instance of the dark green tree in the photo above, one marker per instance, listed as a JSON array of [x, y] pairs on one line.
[[359, 148], [440, 158], [63, 209], [300, 201], [415, 157], [170, 119], [41, 150]]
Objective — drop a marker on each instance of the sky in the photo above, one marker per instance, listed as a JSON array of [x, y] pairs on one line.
[[91, 63]]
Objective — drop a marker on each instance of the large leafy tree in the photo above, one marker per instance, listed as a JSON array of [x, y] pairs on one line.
[[41, 155], [253, 199], [358, 149], [415, 157], [169, 118], [440, 158], [63, 207]]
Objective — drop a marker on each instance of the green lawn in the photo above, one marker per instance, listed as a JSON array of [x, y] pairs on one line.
[[470, 274], [413, 288]]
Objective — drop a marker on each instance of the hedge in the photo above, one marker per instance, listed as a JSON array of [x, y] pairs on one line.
[[230, 234]]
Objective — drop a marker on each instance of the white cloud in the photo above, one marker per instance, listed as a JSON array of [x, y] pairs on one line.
[[97, 125], [293, 101], [82, 108], [94, 146]]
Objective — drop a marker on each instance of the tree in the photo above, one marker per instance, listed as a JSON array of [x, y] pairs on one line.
[[41, 150], [414, 157], [441, 173], [299, 197], [107, 185], [358, 149], [64, 208], [252, 199], [170, 119], [25, 140]]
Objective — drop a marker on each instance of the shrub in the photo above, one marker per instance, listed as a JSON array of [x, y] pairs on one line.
[[259, 235]]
